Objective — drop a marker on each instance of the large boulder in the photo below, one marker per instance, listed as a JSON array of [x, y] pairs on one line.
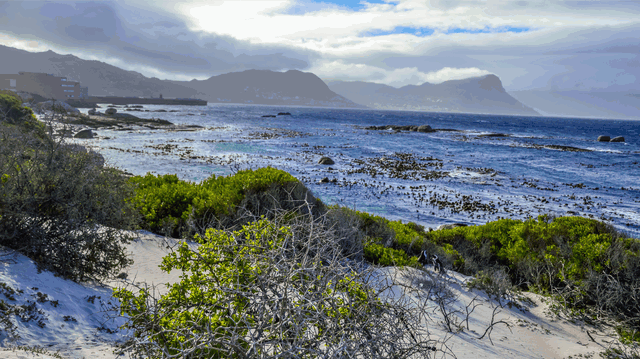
[[326, 161], [110, 111], [451, 226], [425, 128], [86, 133], [604, 138], [617, 139], [59, 106]]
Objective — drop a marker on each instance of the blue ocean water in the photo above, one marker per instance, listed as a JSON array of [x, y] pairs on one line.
[[427, 178]]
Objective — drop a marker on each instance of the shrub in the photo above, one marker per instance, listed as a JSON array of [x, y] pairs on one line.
[[60, 206], [269, 289], [384, 256], [13, 113], [584, 263], [182, 208]]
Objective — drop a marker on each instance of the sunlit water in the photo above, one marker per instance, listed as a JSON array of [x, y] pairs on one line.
[[458, 176]]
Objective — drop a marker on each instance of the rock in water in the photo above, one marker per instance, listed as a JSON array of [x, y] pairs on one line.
[[604, 138], [617, 139], [110, 111], [326, 161], [92, 111], [325, 180], [87, 133], [450, 226], [425, 128], [284, 114]]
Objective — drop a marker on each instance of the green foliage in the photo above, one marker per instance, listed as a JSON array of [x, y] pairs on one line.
[[406, 236], [628, 336], [13, 113], [169, 204], [250, 293], [54, 198], [384, 256], [581, 261]]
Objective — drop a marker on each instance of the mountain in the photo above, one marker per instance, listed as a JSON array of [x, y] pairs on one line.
[[101, 78], [483, 94], [269, 88], [251, 86]]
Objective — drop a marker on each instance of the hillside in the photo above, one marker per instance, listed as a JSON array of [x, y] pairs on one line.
[[101, 78], [476, 95], [251, 86], [269, 88]]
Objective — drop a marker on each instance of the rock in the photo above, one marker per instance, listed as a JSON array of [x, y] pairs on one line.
[[494, 135], [59, 106], [284, 114], [450, 226], [326, 161], [325, 180], [617, 139], [425, 129], [110, 111], [334, 180], [268, 115], [87, 133], [92, 111], [604, 138], [161, 110]]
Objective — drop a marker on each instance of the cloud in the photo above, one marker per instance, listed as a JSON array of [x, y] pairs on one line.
[[398, 77], [527, 44], [135, 37]]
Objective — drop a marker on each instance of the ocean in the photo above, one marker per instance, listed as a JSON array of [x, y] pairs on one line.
[[482, 168]]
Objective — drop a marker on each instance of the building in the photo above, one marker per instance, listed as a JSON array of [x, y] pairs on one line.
[[45, 85]]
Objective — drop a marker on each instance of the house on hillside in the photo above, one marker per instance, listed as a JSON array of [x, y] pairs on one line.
[[45, 85]]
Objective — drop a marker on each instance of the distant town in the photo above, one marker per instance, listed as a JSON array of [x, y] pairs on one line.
[[58, 88]]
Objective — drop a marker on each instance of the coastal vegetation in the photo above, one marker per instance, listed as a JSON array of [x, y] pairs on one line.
[[59, 204], [275, 270]]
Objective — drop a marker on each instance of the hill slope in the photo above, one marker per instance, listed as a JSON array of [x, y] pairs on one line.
[[270, 88], [101, 78], [476, 95], [251, 86]]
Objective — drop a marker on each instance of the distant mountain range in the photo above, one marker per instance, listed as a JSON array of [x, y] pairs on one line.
[[251, 86], [269, 88], [101, 78], [475, 95]]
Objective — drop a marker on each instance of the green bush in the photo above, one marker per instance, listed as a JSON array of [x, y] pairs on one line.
[[178, 208], [61, 207], [384, 256], [582, 262], [269, 289], [13, 113]]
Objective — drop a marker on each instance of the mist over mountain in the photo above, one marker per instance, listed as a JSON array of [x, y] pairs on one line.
[[606, 103], [483, 94]]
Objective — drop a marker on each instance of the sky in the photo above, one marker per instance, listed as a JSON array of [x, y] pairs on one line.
[[549, 45]]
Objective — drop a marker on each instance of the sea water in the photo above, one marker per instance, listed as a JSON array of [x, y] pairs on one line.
[[539, 165]]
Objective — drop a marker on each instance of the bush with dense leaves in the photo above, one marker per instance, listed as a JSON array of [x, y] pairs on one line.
[[14, 114], [183, 208], [270, 290], [58, 204]]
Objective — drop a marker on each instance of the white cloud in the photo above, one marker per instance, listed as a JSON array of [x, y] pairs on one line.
[[337, 70]]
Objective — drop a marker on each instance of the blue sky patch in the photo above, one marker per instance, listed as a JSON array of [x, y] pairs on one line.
[[423, 31], [487, 30], [352, 4]]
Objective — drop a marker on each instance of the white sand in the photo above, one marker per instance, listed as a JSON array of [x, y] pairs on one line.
[[534, 333]]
